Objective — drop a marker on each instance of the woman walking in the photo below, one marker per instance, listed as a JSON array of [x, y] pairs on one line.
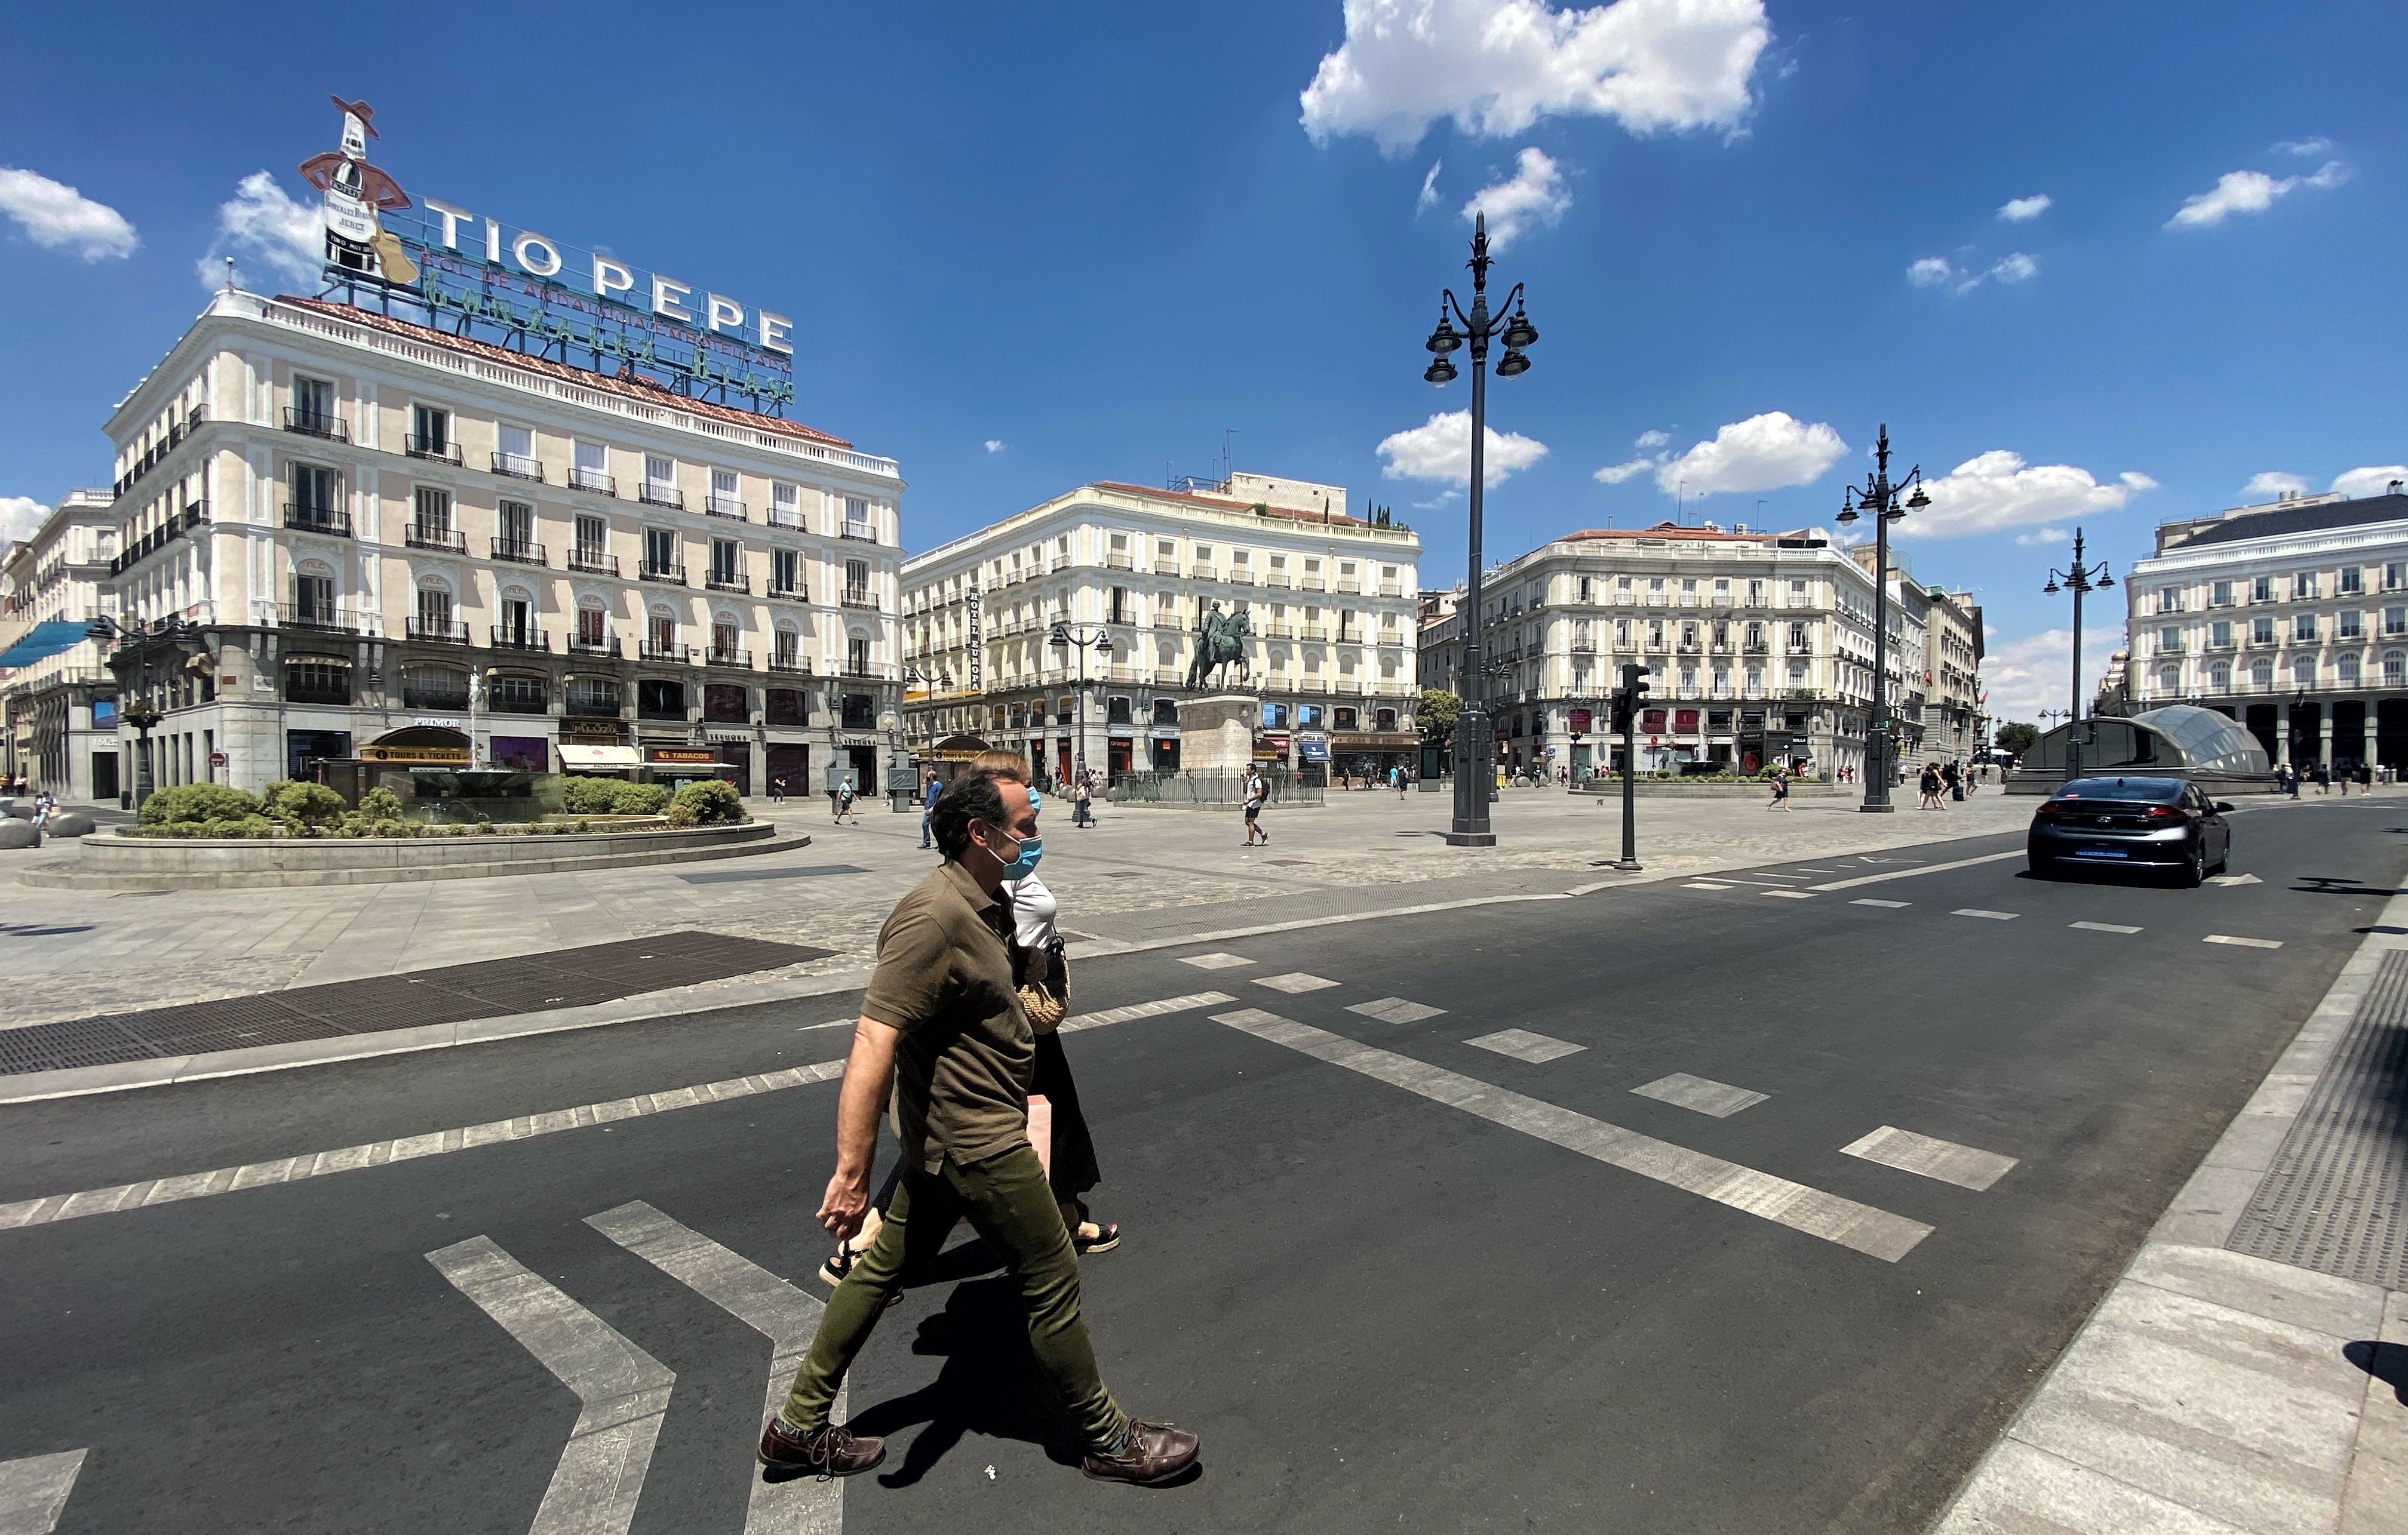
[[1930, 785]]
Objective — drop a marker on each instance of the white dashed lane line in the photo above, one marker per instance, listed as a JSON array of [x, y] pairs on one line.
[[2102, 927], [1295, 982], [1789, 895], [1522, 1045], [1967, 1167], [1705, 887], [1869, 901], [2242, 943], [1702, 1094], [1396, 1010], [1976, 911], [1215, 962]]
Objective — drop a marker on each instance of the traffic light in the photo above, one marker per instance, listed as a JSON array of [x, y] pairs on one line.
[[1621, 716]]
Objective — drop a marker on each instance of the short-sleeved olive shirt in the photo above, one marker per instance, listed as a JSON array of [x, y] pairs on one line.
[[967, 1059]]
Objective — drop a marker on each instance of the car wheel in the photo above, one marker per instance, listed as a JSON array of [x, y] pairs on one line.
[[2194, 866], [2041, 866]]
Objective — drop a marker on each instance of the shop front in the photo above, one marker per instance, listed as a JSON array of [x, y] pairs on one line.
[[790, 769], [1367, 755], [679, 765], [1162, 748]]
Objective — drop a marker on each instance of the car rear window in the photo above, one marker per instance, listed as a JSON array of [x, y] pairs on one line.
[[2132, 790]]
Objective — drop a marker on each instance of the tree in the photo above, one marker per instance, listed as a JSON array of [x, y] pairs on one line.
[[1438, 712], [2017, 738]]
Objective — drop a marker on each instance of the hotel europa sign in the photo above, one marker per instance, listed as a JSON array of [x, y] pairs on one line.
[[476, 276]]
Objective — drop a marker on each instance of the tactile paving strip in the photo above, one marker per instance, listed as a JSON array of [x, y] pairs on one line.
[[2332, 1199], [449, 994]]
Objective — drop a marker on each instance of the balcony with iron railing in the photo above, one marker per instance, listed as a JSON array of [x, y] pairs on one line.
[[519, 466], [308, 516], [859, 533], [653, 493], [787, 517], [736, 657], [860, 598], [666, 575], [657, 650], [593, 480], [592, 563], [1119, 561], [437, 632], [326, 619], [175, 526], [791, 595], [447, 699], [1310, 583], [1242, 575], [520, 637], [600, 645], [1166, 567], [1203, 571], [728, 580], [438, 449], [1349, 587], [312, 424], [726, 506], [518, 552], [790, 665], [428, 535]]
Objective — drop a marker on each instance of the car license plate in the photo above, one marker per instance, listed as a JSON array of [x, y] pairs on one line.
[[2102, 852]]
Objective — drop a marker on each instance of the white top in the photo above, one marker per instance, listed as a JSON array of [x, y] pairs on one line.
[[1033, 909]]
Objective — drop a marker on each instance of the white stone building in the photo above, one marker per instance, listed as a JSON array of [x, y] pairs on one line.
[[1758, 646], [59, 698], [2291, 618], [1329, 599], [334, 526]]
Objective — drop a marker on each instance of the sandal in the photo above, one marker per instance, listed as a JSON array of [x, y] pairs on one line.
[[839, 1265], [1107, 1237]]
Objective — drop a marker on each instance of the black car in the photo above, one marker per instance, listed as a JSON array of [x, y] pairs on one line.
[[2114, 822]]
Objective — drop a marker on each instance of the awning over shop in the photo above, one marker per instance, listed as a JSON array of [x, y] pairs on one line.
[[41, 642], [572, 755]]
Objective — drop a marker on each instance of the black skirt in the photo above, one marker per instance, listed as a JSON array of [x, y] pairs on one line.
[[1074, 1170]]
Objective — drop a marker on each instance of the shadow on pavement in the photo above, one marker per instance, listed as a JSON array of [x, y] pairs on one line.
[[2385, 1362], [990, 1385]]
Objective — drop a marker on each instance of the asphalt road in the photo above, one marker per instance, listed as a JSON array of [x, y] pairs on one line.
[[1387, 1294]]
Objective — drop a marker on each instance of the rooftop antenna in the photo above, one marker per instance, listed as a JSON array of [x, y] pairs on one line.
[[229, 263], [1228, 455]]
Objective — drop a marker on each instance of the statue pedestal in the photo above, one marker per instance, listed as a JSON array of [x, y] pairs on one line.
[[1216, 734]]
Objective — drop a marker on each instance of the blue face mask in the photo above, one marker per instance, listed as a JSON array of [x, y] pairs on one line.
[[1035, 801], [1023, 863]]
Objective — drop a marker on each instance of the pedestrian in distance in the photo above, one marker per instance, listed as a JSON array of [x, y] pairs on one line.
[[1404, 780], [844, 798], [2323, 776], [2366, 778], [1953, 777], [942, 1026], [1083, 808], [1779, 779], [928, 792], [1256, 791]]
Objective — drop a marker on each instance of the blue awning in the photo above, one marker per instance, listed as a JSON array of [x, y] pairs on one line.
[[44, 640]]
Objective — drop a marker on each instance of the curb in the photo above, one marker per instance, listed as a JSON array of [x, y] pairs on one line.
[[2222, 1437], [55, 878]]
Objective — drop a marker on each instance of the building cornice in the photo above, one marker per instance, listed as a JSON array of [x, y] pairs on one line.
[[2275, 547], [1176, 510]]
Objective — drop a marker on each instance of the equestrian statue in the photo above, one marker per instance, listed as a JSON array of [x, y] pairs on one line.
[[1220, 643]]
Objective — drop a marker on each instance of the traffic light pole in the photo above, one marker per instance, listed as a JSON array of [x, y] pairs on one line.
[[1628, 698]]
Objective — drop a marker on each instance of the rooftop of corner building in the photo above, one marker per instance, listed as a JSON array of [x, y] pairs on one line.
[[1694, 534], [1227, 506], [2284, 517], [629, 384]]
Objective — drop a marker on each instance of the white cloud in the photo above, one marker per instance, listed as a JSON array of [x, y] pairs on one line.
[[2027, 676], [1429, 198], [1651, 438], [58, 218], [2369, 482], [2041, 537], [2015, 269], [2306, 148], [1931, 272], [1764, 452], [19, 516], [2022, 208], [1998, 489], [1614, 473], [2250, 192], [1497, 67], [1535, 196], [1441, 449], [2273, 484], [995, 444], [260, 221]]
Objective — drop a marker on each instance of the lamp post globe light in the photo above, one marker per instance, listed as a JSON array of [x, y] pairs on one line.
[[1475, 758], [2081, 578], [1879, 500]]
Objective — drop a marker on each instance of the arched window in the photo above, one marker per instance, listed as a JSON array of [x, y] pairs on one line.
[[2347, 668], [2219, 678], [2303, 671], [2393, 662], [2261, 672], [2170, 679]]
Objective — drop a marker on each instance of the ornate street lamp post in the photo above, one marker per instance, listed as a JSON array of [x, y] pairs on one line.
[[1879, 500], [1080, 637], [1475, 758], [2081, 578]]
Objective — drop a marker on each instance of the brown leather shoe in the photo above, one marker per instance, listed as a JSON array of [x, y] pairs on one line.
[[832, 1451], [1156, 1452]]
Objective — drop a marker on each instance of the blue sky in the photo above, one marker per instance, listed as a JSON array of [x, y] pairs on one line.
[[1030, 247]]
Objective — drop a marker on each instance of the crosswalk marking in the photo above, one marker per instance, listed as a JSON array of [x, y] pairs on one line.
[[1858, 1227], [1396, 1010], [1701, 884], [1967, 1167], [1763, 878], [1976, 911], [228, 1180], [787, 1316], [1789, 895], [1294, 983], [2242, 943], [1215, 962], [1702, 1094], [1869, 901], [33, 1491], [2102, 927], [1522, 1045], [622, 1391]]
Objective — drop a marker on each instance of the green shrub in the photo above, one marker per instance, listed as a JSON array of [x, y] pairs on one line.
[[304, 809], [589, 796], [190, 803], [710, 801], [381, 804]]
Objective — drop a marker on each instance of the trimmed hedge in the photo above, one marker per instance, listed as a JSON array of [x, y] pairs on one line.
[[198, 803], [591, 796], [710, 801]]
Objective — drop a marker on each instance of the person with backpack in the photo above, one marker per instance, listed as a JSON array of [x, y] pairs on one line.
[[1083, 808], [1779, 779], [1256, 791]]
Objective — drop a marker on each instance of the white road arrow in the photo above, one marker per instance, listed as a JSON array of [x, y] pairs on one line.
[[769, 1305], [2233, 879], [33, 1491], [622, 1390]]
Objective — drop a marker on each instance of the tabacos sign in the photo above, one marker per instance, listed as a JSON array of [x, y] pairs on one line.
[[532, 293]]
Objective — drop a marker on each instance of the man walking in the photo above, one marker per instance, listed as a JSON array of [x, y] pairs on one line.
[[942, 1023], [1256, 791], [1780, 777], [928, 792]]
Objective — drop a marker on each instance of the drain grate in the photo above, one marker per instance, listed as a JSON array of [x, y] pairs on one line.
[[2332, 1199], [449, 994]]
